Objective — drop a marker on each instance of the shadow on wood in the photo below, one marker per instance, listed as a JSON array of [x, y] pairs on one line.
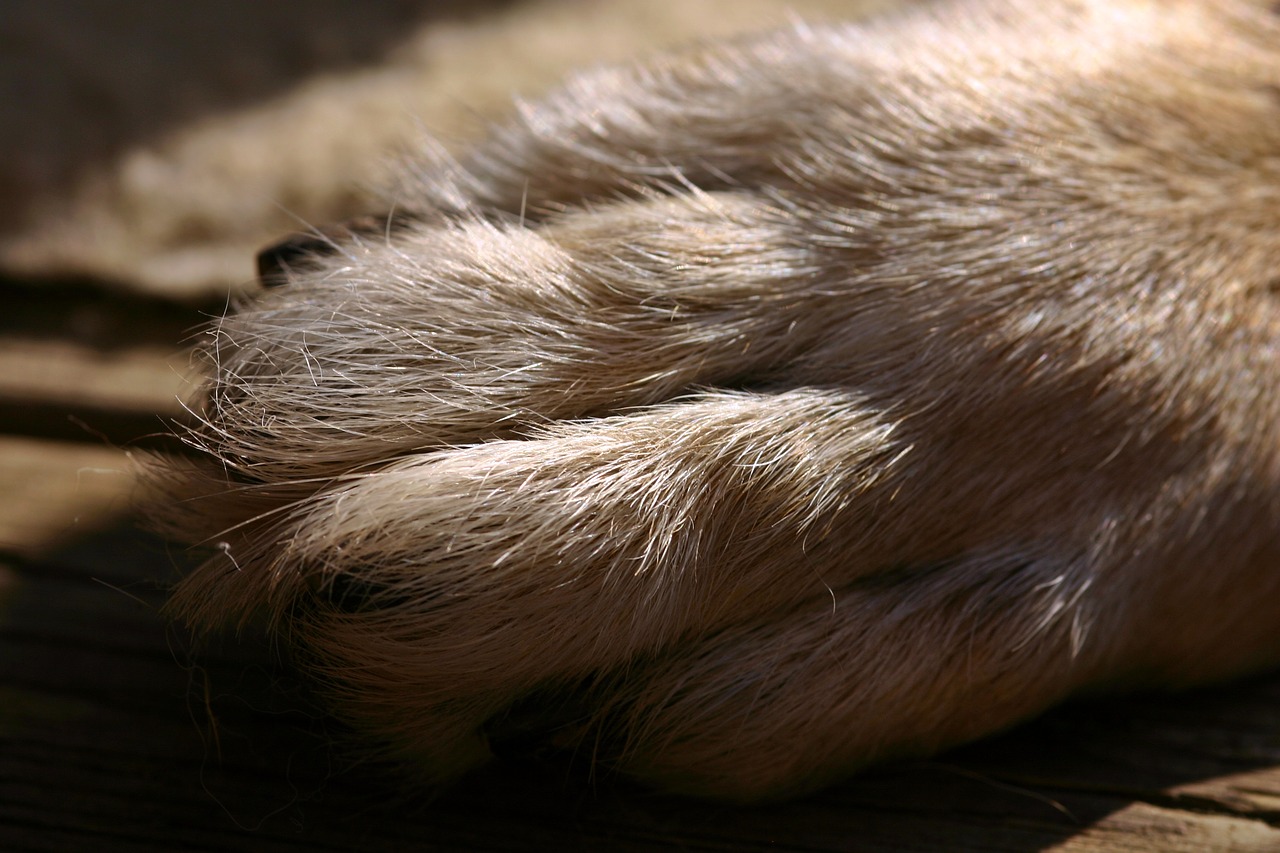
[[115, 737]]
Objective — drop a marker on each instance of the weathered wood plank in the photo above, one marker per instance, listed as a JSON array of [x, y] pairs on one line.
[[54, 491], [143, 378], [107, 739], [79, 364]]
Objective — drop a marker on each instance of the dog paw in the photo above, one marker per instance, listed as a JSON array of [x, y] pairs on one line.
[[775, 407]]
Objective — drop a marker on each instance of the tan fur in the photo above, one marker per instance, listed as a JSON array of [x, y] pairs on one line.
[[779, 406]]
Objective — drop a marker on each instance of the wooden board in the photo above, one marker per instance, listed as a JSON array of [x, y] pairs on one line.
[[115, 736]]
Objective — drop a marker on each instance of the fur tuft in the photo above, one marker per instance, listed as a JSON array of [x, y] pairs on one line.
[[774, 407]]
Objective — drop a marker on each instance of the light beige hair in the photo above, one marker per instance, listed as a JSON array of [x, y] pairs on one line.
[[781, 405]]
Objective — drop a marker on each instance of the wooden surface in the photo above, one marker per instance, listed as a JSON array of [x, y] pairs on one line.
[[113, 736]]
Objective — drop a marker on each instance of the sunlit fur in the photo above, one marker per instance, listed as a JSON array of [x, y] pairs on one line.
[[767, 409]]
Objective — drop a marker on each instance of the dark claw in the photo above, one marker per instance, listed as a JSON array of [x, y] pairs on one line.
[[301, 248]]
